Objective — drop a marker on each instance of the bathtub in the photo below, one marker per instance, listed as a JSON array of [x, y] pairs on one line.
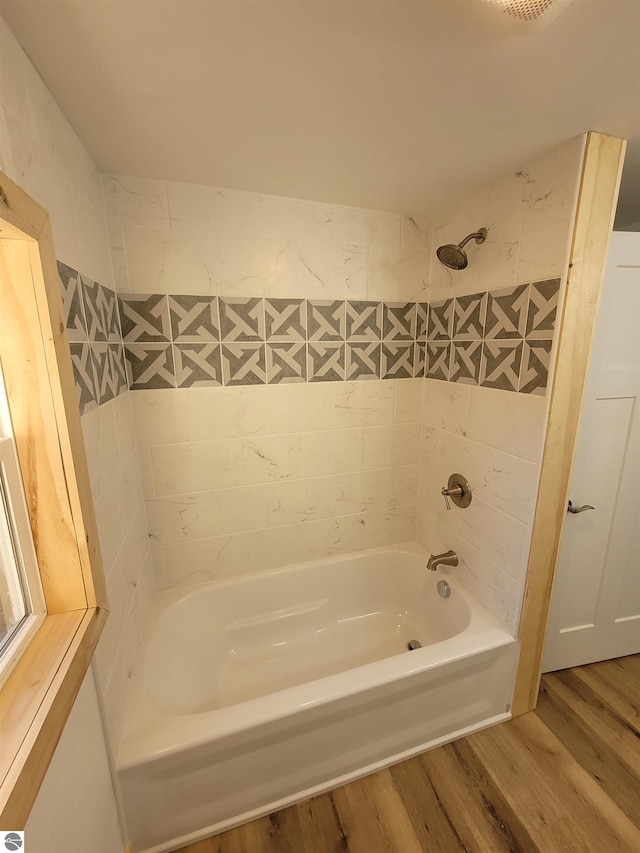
[[260, 692]]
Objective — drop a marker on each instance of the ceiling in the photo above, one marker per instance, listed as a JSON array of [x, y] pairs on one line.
[[395, 105]]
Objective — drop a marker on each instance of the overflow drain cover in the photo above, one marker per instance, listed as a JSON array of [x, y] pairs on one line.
[[414, 644]]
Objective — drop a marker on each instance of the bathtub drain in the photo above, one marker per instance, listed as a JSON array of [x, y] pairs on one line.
[[414, 644]]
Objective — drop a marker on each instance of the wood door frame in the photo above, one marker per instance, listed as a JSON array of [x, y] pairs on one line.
[[597, 199]]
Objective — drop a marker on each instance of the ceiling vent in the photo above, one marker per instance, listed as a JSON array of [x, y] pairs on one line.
[[523, 16]]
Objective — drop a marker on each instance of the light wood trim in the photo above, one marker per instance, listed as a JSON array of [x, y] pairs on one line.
[[36, 699], [601, 171]]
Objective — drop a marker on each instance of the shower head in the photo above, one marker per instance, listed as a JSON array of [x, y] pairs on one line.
[[454, 256]]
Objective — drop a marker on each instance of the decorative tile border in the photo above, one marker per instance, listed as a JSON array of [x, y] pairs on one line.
[[499, 339]]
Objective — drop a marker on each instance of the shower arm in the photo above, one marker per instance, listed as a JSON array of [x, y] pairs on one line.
[[478, 234]]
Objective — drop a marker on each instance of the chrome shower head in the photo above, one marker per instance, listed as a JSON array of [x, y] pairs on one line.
[[454, 256]]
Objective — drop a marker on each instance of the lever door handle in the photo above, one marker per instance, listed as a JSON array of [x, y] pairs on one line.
[[576, 509]]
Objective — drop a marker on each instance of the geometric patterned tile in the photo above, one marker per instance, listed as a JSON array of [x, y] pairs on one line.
[[194, 318], [465, 362], [150, 365], [363, 360], [535, 367], [422, 319], [420, 358], [118, 366], [72, 303], [244, 364], [364, 321], [500, 364], [93, 301], [242, 319], [83, 375], [104, 381], [438, 356], [326, 362], [326, 319], [399, 321], [396, 361], [286, 362], [543, 306], [145, 317], [197, 365], [108, 304], [507, 313], [440, 320], [286, 319], [469, 317]]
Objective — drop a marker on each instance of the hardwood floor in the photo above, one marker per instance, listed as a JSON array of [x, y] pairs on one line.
[[565, 777]]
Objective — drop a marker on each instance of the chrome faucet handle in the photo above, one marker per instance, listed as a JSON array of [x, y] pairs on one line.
[[458, 489], [576, 509]]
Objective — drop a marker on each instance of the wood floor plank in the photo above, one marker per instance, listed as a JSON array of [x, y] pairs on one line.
[[373, 818], [560, 804], [618, 684], [431, 823]]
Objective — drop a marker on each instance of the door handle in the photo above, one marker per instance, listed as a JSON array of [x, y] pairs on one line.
[[576, 509]]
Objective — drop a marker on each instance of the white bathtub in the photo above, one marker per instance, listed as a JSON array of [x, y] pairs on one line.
[[260, 692]]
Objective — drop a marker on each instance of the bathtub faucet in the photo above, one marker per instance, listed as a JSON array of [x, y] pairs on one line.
[[449, 558]]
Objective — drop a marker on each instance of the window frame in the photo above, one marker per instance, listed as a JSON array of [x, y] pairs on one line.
[[37, 696]]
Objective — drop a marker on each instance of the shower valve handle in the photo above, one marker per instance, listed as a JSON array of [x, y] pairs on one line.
[[456, 492]]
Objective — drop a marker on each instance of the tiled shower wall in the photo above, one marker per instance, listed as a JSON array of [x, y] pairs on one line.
[[251, 475], [495, 438]]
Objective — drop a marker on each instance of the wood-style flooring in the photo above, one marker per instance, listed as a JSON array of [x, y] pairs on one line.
[[565, 777]]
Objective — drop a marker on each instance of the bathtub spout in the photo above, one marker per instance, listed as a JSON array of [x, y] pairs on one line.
[[449, 558]]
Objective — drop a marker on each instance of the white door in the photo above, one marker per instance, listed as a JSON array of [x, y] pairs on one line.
[[595, 608]]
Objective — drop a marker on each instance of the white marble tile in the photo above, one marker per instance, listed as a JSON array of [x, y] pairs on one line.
[[234, 510], [125, 425], [92, 235], [174, 519], [489, 584], [333, 537], [495, 263], [390, 446], [100, 439], [357, 225], [205, 465], [161, 416], [446, 405], [135, 201], [332, 270], [545, 242], [514, 423], [498, 536], [408, 400], [398, 275], [13, 83], [333, 452], [416, 233], [257, 267], [226, 412], [171, 260], [109, 521], [386, 527]]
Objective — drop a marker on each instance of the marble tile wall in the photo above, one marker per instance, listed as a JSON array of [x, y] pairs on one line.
[[469, 425]]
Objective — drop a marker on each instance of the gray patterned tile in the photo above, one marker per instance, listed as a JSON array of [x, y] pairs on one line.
[[144, 317], [469, 317], [244, 364], [500, 364], [72, 303], [534, 374], [150, 365], [242, 319], [438, 356], [507, 313], [197, 364], [465, 362], [326, 320], [326, 361], [543, 307], [396, 361], [93, 300], [440, 320], [419, 359], [399, 321], [422, 320], [83, 375], [118, 367], [286, 319], [105, 385], [363, 360], [108, 304], [364, 321], [286, 362], [194, 318]]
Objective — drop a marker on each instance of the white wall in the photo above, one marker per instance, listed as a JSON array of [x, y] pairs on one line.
[[495, 437]]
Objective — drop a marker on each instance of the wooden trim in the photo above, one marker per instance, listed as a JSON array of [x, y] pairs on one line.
[[600, 182], [36, 699]]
